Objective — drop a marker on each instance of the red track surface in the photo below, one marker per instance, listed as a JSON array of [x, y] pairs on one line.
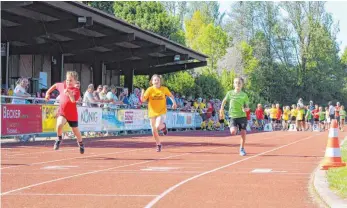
[[195, 169]]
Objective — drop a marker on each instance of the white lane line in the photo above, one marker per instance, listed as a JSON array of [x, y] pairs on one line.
[[167, 191], [107, 169], [98, 195], [81, 157], [103, 170]]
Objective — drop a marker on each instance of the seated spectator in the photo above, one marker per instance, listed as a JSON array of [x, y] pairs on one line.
[[20, 91], [88, 98], [124, 96], [112, 98]]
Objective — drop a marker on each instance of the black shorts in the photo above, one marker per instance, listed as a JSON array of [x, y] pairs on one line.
[[72, 124], [278, 121], [293, 118], [332, 117], [266, 117], [316, 119], [322, 121], [240, 123], [273, 119]]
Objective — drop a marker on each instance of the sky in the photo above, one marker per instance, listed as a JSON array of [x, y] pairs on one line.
[[338, 9]]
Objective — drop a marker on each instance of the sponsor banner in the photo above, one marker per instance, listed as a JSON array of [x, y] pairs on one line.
[[134, 119], [20, 119], [180, 120], [89, 119], [49, 119], [110, 120]]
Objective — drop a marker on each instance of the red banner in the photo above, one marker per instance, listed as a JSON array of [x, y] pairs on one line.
[[21, 119]]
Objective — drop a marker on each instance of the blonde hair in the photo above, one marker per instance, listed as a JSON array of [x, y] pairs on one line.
[[73, 74], [160, 78]]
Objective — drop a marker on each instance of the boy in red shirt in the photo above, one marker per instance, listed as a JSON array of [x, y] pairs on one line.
[[259, 113], [315, 114], [69, 95]]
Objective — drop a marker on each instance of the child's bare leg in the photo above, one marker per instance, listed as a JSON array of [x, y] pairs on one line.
[[77, 133]]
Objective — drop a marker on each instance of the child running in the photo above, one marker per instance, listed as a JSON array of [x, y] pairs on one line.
[[156, 96], [69, 95], [238, 105]]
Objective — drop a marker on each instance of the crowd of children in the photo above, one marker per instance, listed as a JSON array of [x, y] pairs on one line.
[[304, 117]]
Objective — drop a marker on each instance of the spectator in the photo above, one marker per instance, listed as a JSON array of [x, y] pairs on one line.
[[78, 86], [20, 91], [124, 96], [179, 101], [96, 93], [3, 92], [169, 101], [88, 98], [112, 97], [134, 99], [103, 93]]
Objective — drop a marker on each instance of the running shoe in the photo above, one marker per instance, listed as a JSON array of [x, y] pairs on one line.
[[242, 152], [164, 130], [159, 148], [57, 144], [81, 148]]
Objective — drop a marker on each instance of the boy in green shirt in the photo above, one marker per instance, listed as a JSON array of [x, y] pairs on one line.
[[308, 118], [342, 117], [238, 105]]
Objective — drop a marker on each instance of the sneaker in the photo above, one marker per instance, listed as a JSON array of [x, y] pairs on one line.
[[242, 152], [57, 144], [81, 148], [164, 130], [159, 148]]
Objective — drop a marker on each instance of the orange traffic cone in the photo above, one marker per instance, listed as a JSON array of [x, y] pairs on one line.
[[332, 152]]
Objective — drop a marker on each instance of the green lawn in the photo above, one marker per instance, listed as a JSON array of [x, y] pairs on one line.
[[337, 177]]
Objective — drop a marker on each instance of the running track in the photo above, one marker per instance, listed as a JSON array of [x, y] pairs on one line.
[[195, 169]]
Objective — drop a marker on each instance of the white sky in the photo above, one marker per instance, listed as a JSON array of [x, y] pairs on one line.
[[338, 9]]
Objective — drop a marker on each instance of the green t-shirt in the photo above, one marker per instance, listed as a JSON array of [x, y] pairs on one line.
[[342, 114], [321, 115], [309, 114], [237, 101]]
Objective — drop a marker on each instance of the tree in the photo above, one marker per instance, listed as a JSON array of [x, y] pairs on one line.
[[181, 82], [141, 81], [206, 38], [150, 16], [106, 6]]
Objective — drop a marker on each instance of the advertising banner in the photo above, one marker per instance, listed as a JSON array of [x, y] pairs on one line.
[[110, 120], [89, 119], [49, 119], [20, 119], [134, 119]]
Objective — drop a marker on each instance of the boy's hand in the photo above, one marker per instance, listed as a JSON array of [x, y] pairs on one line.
[[221, 113], [174, 106]]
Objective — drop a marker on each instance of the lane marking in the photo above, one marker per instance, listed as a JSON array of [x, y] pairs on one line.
[[98, 195], [167, 191], [81, 157], [107, 169], [58, 167]]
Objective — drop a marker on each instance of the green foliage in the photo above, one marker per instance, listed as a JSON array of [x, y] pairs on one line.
[[344, 57], [141, 81], [106, 6], [149, 15], [181, 82], [210, 86]]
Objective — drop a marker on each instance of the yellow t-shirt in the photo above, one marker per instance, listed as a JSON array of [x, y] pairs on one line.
[[294, 112], [300, 115], [156, 100], [273, 113], [286, 115]]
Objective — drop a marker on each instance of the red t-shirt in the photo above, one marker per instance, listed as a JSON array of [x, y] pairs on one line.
[[259, 113], [279, 114], [337, 111], [314, 112], [67, 108], [248, 113]]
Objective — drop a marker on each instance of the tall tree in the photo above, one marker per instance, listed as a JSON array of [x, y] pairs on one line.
[[106, 6]]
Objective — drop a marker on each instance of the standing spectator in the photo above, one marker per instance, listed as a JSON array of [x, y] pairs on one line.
[[134, 99], [78, 86], [20, 91], [331, 111], [3, 92], [96, 93], [124, 96], [337, 113], [259, 114], [88, 98], [311, 107], [169, 101], [112, 97], [103, 93]]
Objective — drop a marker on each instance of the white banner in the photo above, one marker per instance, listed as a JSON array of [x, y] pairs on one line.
[[89, 119], [180, 119], [134, 119]]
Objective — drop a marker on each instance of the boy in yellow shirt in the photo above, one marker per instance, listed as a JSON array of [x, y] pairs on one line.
[[285, 116]]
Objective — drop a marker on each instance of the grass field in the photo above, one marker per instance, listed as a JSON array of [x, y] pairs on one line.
[[337, 177]]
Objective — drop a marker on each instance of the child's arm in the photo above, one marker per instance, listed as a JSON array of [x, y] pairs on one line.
[[49, 91]]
